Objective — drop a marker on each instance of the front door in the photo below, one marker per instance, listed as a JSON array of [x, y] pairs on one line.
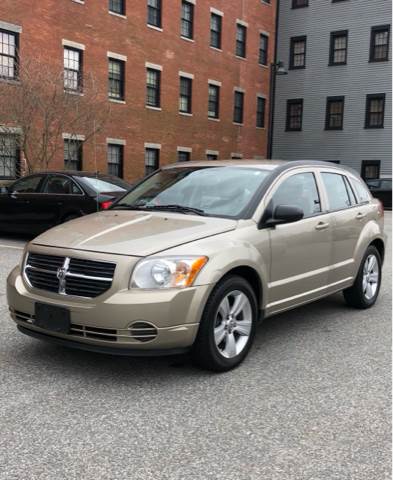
[[300, 251]]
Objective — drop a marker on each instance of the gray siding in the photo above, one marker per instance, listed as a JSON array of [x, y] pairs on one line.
[[318, 81]]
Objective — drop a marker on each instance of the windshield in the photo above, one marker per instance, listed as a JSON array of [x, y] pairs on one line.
[[214, 191], [108, 185]]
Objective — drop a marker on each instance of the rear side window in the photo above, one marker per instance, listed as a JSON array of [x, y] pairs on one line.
[[60, 185], [337, 191], [301, 191], [361, 191]]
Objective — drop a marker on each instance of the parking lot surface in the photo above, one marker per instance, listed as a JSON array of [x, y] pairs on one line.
[[311, 402]]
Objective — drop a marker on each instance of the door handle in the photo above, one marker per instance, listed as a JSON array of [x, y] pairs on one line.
[[322, 226], [360, 215]]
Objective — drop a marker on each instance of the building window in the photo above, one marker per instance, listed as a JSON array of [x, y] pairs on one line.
[[116, 79], [154, 13], [263, 49], [117, 6], [9, 156], [294, 115], [153, 85], [297, 55], [187, 19], [334, 113], [375, 110], [214, 101], [241, 39], [115, 159], [185, 98], [152, 160], [379, 46], [73, 75], [73, 153], [8, 55], [183, 156], [211, 156], [261, 108], [215, 30], [238, 107], [371, 169], [299, 3], [338, 47]]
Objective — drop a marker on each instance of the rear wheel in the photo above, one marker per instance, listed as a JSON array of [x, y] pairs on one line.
[[227, 327], [364, 292]]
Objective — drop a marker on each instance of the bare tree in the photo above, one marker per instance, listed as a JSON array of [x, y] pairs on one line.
[[38, 108]]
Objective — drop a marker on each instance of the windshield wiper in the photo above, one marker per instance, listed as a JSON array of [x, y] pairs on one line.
[[171, 207]]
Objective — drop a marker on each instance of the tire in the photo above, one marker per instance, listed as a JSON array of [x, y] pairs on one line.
[[364, 292], [220, 320]]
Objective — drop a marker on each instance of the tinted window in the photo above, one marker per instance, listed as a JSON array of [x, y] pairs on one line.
[[60, 185], [337, 191], [27, 185], [361, 191], [301, 191]]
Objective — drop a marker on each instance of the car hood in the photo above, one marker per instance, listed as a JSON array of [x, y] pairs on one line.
[[132, 233]]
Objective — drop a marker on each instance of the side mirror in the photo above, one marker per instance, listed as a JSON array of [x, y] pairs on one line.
[[280, 215]]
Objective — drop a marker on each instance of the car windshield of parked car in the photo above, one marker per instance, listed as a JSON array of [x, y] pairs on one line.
[[213, 191], [101, 185]]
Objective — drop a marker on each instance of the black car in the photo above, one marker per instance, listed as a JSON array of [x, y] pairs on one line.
[[37, 202], [381, 188]]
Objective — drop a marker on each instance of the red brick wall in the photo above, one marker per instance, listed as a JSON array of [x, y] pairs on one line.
[[46, 22]]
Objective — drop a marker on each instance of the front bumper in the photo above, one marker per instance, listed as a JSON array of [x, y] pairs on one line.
[[107, 324]]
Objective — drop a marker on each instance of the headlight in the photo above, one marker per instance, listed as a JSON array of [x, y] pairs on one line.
[[167, 272]]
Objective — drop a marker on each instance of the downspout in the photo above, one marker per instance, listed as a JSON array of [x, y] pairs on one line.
[[273, 86]]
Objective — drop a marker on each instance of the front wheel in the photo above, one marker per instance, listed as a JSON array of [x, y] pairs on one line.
[[227, 327], [364, 292]]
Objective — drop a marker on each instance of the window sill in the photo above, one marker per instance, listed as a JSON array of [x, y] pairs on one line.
[[260, 128], [268, 4], [186, 114], [72, 92], [113, 100], [373, 128], [240, 58], [119, 15], [263, 66], [214, 119], [187, 39], [297, 68], [378, 61], [150, 107], [81, 2], [153, 27], [337, 129], [216, 49], [238, 124], [293, 129], [10, 81]]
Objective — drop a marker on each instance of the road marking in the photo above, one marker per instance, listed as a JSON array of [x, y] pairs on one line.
[[2, 245]]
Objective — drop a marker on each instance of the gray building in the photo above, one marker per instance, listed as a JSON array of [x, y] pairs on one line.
[[335, 102]]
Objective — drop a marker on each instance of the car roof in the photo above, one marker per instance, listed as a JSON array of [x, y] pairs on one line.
[[74, 173], [279, 165]]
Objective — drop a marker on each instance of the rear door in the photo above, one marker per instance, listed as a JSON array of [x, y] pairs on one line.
[[349, 218], [300, 251], [61, 197]]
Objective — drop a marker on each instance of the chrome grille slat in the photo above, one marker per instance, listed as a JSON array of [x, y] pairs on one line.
[[69, 276]]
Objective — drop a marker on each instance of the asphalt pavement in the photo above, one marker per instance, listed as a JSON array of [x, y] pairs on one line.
[[311, 402]]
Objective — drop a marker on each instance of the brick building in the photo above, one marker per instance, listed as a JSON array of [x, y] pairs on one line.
[[186, 79]]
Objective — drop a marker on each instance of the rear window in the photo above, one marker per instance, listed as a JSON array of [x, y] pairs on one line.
[[100, 185], [337, 191]]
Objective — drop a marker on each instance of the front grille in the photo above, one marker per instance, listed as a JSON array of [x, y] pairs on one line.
[[108, 334], [69, 276]]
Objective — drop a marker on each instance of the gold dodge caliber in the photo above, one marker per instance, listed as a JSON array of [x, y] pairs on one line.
[[194, 255]]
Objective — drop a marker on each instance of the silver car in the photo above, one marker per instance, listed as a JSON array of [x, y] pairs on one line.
[[193, 257]]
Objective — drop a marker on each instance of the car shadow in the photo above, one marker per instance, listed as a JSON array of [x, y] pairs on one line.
[[74, 363]]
